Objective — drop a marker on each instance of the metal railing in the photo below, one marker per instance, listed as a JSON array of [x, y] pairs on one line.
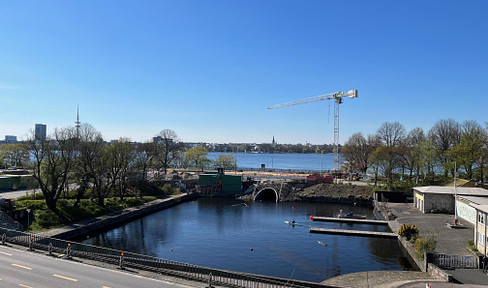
[[454, 261], [11, 222], [149, 263]]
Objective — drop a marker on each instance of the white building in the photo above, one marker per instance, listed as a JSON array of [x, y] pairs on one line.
[[440, 199]]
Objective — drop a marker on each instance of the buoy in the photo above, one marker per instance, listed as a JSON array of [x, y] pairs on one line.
[[292, 207], [311, 218], [252, 249], [171, 249]]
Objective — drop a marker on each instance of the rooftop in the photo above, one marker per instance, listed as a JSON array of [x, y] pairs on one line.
[[469, 191], [475, 200]]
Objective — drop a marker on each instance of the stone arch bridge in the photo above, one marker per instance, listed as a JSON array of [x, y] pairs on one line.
[[267, 190]]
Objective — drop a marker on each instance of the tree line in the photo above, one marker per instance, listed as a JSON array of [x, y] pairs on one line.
[[447, 148], [80, 159]]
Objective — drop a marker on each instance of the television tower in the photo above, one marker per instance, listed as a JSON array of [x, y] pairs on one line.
[[78, 123]]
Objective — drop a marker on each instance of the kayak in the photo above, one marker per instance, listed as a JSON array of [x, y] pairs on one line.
[[293, 223]]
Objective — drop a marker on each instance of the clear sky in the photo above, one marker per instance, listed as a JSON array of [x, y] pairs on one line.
[[208, 69]]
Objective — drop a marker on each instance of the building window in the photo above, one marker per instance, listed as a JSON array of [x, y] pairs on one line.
[[481, 218], [481, 237]]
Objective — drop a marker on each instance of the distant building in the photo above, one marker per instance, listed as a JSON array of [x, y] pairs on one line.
[[10, 139], [40, 131]]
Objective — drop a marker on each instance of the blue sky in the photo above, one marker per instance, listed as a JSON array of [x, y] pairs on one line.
[[208, 69]]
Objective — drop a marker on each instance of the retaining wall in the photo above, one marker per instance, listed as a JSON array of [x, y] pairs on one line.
[[438, 273]]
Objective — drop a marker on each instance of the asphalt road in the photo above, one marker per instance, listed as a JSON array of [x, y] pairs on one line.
[[16, 194], [35, 270]]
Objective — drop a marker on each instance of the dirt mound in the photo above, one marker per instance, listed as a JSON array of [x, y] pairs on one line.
[[336, 192]]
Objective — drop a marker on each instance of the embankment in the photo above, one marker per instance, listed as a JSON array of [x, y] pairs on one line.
[[336, 193], [87, 226]]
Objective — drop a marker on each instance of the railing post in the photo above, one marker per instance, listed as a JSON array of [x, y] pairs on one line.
[[121, 261]]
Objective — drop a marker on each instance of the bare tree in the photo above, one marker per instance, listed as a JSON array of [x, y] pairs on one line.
[[145, 152], [89, 150], [409, 147], [53, 162], [388, 155], [119, 157], [391, 133], [445, 134], [167, 147], [356, 151]]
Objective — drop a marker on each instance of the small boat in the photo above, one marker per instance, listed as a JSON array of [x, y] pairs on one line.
[[350, 215], [293, 223]]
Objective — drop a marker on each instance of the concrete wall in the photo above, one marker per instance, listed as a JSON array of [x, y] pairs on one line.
[[438, 203], [438, 273], [465, 211]]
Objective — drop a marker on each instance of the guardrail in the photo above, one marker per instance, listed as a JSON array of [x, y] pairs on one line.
[[150, 263]]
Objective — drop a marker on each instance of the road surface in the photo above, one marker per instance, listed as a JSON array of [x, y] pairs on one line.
[[26, 269]]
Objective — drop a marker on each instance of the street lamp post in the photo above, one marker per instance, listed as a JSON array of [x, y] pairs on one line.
[[28, 218]]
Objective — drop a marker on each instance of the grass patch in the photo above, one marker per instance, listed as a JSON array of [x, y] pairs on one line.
[[46, 219]]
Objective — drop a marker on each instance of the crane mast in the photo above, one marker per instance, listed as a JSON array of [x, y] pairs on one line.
[[337, 97]]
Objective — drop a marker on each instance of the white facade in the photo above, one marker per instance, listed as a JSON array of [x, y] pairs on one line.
[[465, 211]]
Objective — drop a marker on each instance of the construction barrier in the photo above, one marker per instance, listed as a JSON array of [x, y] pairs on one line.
[[124, 259]]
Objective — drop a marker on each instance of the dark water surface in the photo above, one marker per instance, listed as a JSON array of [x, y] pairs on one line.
[[214, 233]]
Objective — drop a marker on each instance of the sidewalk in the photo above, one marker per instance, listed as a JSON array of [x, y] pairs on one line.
[[451, 241]]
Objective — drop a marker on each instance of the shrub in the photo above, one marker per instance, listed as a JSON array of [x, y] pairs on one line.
[[409, 231], [471, 246], [423, 245], [46, 219]]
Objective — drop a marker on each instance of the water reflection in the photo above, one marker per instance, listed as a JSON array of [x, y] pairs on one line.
[[219, 234]]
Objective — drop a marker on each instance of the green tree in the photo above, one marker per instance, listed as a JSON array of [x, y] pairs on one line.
[[225, 161], [470, 149], [14, 154], [197, 157]]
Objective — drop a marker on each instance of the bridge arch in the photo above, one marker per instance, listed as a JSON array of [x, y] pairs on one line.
[[267, 194]]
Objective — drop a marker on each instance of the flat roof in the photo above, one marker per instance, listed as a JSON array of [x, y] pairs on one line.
[[483, 208], [475, 200], [469, 191]]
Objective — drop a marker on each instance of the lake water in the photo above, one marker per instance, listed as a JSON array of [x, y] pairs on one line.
[[293, 161], [214, 233]]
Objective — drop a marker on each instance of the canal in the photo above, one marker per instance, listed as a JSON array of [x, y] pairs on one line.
[[222, 234]]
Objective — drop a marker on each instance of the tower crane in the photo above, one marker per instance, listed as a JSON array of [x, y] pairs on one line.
[[337, 97]]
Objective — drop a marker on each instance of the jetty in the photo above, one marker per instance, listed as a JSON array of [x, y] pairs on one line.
[[348, 220], [353, 233]]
